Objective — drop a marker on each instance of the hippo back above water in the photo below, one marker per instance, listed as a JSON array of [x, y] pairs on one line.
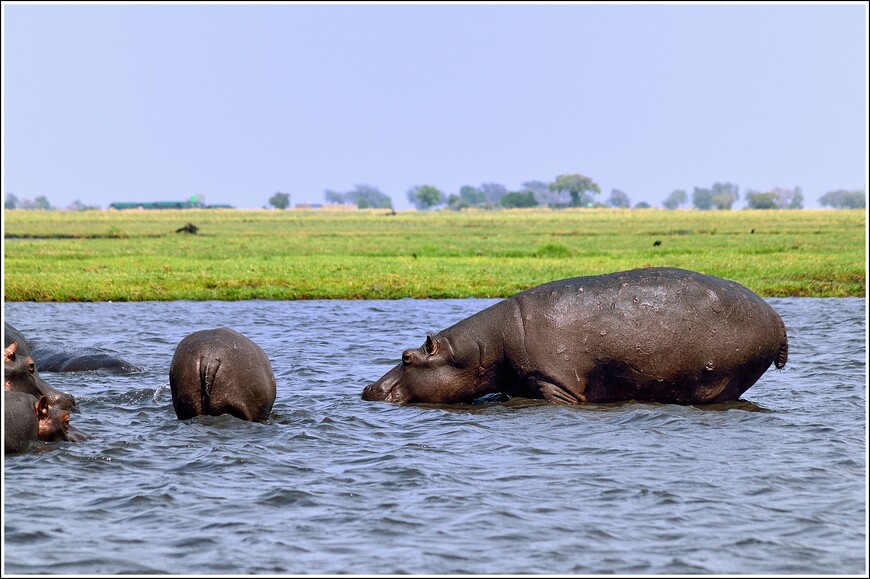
[[655, 334], [220, 371]]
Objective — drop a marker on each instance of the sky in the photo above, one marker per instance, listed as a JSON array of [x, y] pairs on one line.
[[235, 102]]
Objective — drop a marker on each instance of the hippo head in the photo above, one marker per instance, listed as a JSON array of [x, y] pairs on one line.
[[437, 373], [21, 376], [54, 423], [19, 372]]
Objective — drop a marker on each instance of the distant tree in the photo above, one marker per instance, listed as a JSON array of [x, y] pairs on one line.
[[724, 195], [280, 200], [456, 202], [425, 196], [471, 196], [619, 199], [577, 185], [676, 199], [334, 197], [373, 197], [642, 205], [11, 201], [519, 199], [79, 206], [542, 193], [790, 198], [363, 196], [843, 199], [702, 199], [779, 198], [756, 200], [41, 202], [493, 192]]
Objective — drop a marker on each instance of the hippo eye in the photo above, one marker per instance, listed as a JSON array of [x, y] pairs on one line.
[[31, 368], [406, 358]]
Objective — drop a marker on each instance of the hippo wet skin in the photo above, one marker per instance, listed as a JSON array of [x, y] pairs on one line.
[[220, 371], [656, 334]]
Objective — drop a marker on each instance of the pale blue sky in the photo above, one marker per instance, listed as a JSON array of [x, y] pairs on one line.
[[128, 102]]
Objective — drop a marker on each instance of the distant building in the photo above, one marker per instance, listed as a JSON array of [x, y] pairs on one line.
[[166, 205]]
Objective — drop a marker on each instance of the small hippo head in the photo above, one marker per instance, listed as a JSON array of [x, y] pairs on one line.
[[436, 372], [54, 423]]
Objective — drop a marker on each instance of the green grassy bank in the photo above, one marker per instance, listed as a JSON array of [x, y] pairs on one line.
[[137, 255]]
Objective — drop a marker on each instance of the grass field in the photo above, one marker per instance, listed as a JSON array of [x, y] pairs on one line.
[[262, 254]]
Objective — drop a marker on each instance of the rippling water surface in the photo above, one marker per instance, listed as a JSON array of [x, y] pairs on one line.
[[772, 484]]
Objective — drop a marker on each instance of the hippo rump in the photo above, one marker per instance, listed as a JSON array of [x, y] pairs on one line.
[[27, 419], [655, 334], [21, 375], [220, 371]]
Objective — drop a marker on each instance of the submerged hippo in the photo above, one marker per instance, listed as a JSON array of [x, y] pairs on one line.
[[27, 419], [220, 371], [20, 374], [62, 358], [657, 334]]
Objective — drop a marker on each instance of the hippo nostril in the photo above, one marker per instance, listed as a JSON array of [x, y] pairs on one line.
[[370, 392]]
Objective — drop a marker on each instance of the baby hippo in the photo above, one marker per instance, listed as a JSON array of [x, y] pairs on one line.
[[220, 371], [27, 419]]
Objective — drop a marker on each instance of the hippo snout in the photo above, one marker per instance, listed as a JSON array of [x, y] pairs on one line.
[[375, 391], [388, 388]]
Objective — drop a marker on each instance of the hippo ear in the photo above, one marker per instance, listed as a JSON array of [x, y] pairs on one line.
[[9, 352], [42, 407], [431, 345]]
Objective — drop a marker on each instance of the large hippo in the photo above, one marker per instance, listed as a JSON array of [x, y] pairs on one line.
[[27, 419], [220, 371], [21, 375], [657, 334]]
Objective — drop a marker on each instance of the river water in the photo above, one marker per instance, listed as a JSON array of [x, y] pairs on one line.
[[331, 484]]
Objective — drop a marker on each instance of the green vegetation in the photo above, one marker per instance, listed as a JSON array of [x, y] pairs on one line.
[[132, 256]]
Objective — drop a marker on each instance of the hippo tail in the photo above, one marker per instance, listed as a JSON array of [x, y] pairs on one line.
[[208, 368], [782, 355]]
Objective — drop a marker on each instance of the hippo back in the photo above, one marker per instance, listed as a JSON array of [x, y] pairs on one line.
[[662, 334]]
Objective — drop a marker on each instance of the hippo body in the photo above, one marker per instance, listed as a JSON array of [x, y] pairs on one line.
[[656, 334], [20, 425], [51, 359], [28, 419], [220, 371]]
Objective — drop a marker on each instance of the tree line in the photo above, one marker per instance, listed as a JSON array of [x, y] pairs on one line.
[[569, 190], [576, 190]]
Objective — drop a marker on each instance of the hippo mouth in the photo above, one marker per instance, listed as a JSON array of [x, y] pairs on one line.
[[377, 391]]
